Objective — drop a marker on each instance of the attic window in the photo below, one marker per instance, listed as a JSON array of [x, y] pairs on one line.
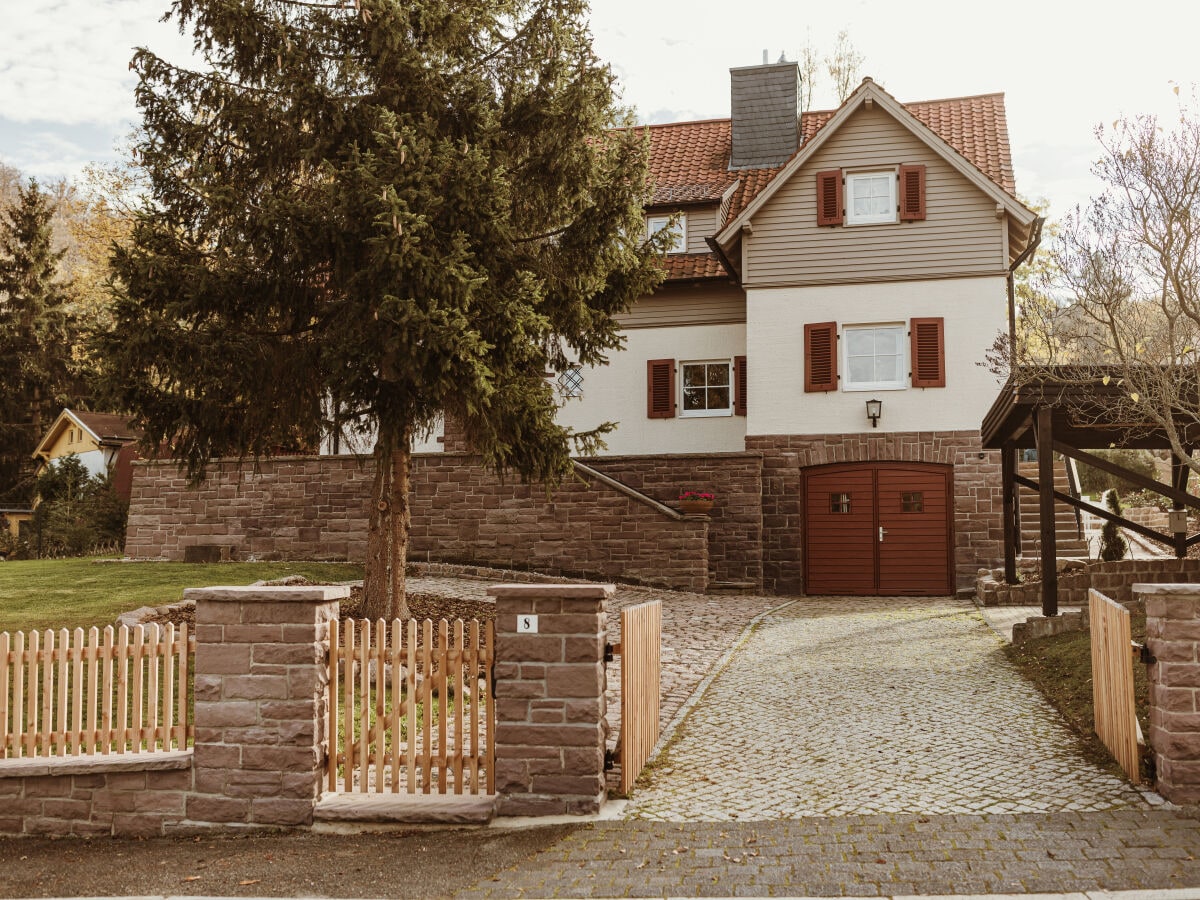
[[871, 197], [677, 229]]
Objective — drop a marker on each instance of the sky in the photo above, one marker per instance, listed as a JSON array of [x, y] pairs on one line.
[[1065, 66]]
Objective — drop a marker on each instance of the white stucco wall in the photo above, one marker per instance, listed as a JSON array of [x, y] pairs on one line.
[[975, 311], [617, 393], [93, 461], [364, 444]]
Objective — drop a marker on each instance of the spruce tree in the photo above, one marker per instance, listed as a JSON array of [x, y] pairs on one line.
[[1113, 545], [36, 336], [397, 209]]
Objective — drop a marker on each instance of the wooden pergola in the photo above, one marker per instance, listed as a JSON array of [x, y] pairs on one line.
[[1067, 417]]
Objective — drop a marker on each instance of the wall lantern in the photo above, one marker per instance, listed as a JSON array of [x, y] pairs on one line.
[[874, 411]]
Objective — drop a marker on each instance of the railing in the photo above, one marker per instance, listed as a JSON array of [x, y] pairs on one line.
[[1112, 682], [641, 676], [411, 711], [118, 691]]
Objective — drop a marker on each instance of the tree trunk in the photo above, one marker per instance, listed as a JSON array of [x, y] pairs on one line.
[[387, 536]]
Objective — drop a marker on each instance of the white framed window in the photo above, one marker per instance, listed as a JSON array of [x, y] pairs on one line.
[[871, 197], [706, 388], [874, 358], [677, 230]]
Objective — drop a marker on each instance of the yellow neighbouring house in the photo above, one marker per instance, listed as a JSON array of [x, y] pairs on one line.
[[101, 441]]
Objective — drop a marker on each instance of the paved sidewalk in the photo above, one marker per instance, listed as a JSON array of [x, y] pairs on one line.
[[865, 856], [853, 706]]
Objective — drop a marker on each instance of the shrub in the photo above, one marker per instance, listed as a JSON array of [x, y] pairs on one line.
[[1096, 481], [77, 513], [1145, 498], [1113, 545]]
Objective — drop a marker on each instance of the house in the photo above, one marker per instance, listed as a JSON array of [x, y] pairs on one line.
[[101, 442], [836, 280], [813, 358]]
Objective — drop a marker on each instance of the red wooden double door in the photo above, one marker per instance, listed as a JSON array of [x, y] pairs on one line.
[[878, 528]]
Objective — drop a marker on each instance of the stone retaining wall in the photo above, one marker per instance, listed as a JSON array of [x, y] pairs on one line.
[[134, 796], [978, 526], [735, 529], [261, 724], [1115, 579], [316, 508]]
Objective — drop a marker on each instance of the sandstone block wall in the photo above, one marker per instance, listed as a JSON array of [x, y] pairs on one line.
[[140, 795], [462, 512], [260, 684], [978, 524], [1114, 579], [316, 508], [1173, 637], [735, 531], [550, 704]]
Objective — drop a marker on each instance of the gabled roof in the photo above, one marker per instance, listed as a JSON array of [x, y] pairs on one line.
[[689, 161], [869, 91], [106, 428]]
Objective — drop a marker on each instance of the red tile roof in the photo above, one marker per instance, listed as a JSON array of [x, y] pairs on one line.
[[691, 266], [105, 425], [689, 161]]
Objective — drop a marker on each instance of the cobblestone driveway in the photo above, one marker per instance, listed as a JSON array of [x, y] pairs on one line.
[[852, 706]]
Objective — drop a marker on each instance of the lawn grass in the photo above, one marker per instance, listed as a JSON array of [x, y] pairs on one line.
[[70, 593], [1060, 666]]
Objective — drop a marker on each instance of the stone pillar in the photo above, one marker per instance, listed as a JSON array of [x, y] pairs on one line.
[[550, 725], [1173, 637], [261, 673]]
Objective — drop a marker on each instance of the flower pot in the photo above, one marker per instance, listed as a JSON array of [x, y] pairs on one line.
[[695, 507]]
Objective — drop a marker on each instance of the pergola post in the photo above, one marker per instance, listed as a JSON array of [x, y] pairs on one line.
[[1008, 468], [1180, 471], [1045, 448]]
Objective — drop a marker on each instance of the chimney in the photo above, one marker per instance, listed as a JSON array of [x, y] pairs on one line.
[[765, 108]]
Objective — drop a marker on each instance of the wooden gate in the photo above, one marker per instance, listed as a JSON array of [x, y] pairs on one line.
[[1112, 682], [410, 707], [641, 680]]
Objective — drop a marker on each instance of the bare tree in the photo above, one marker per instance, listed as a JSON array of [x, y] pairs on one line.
[[1126, 283], [843, 65], [810, 65]]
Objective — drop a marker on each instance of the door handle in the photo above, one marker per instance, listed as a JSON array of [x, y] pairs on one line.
[[882, 532]]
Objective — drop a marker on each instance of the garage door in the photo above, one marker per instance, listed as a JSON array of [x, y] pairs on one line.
[[878, 528]]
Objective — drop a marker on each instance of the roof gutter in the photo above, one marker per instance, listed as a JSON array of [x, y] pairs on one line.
[[721, 255]]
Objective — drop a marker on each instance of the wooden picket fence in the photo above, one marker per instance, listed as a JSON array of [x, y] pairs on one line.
[[1112, 682], [641, 677], [410, 707], [118, 691]]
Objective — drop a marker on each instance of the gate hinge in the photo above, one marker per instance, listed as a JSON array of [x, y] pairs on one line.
[[608, 652], [610, 760], [1146, 656]]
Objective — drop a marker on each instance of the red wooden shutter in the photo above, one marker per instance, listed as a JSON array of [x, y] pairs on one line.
[[739, 385], [660, 389], [928, 352], [912, 193], [820, 357], [829, 197]]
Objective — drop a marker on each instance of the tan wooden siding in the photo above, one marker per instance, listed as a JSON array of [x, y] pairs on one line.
[[718, 305], [960, 236], [701, 224]]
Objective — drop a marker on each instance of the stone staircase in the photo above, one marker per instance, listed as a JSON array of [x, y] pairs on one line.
[[1066, 527]]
